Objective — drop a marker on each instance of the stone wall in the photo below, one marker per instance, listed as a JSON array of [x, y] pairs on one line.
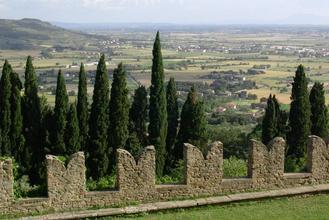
[[204, 173], [318, 158], [203, 176], [66, 183], [266, 163], [6, 182], [136, 179]]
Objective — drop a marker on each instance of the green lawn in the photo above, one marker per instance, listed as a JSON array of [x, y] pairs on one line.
[[310, 207]]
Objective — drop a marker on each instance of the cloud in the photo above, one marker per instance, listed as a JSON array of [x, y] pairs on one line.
[[2, 4], [172, 11], [120, 4], [114, 4]]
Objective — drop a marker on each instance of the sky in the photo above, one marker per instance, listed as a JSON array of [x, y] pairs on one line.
[[170, 11]]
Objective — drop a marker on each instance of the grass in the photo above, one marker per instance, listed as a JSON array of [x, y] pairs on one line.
[[306, 207]]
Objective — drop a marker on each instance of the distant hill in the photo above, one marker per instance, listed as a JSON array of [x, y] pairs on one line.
[[32, 34]]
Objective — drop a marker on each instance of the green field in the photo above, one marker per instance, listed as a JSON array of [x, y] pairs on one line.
[[187, 55], [135, 51], [307, 207]]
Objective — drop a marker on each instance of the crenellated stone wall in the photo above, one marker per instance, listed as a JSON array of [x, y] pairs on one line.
[[136, 179], [204, 173], [266, 163], [66, 183], [318, 158], [6, 182], [203, 176]]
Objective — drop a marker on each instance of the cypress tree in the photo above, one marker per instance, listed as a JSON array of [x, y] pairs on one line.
[[46, 126], [158, 108], [118, 113], [16, 135], [270, 121], [319, 111], [299, 118], [82, 108], [5, 109], [60, 111], [173, 114], [72, 141], [282, 120], [31, 110], [137, 122], [192, 125], [97, 160], [133, 144], [274, 122], [283, 124], [138, 115]]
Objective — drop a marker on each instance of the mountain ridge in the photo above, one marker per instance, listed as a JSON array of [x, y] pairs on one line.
[[30, 33]]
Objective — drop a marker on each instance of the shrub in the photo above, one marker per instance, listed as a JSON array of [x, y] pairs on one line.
[[294, 165], [234, 141], [22, 188], [63, 159], [234, 167], [166, 179], [175, 176], [104, 183]]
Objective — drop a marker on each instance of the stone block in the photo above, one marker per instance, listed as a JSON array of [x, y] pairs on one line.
[[6, 182], [136, 177], [318, 158], [66, 183], [204, 172], [266, 163]]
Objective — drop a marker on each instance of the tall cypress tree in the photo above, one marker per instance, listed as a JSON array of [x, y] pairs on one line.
[[158, 108], [192, 125], [5, 109], [270, 121], [118, 113], [319, 111], [138, 115], [31, 110], [173, 114], [60, 111], [82, 108], [97, 160], [137, 122], [46, 126], [72, 141], [299, 118], [16, 135], [282, 120], [274, 122]]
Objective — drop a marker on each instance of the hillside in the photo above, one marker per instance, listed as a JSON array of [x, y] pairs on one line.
[[32, 34]]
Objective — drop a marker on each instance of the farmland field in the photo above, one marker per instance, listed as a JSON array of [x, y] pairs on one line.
[[189, 55], [264, 57]]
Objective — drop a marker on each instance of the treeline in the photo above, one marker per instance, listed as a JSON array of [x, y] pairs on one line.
[[308, 115], [30, 128]]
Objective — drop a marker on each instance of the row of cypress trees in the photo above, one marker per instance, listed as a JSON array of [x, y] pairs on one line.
[[308, 115], [109, 120], [30, 128], [154, 121], [20, 119], [163, 118]]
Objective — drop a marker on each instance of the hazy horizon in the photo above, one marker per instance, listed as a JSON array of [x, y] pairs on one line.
[[213, 12]]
